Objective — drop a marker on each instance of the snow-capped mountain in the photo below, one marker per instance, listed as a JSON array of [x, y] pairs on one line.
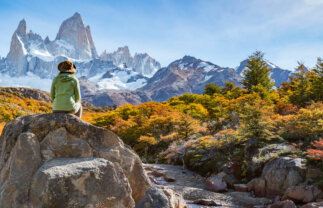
[[141, 62], [94, 94], [278, 74], [32, 57], [187, 74]]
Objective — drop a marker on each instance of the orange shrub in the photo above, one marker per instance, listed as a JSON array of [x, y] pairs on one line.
[[1, 127], [316, 153]]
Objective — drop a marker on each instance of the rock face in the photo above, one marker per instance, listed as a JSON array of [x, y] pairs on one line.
[[17, 55], [73, 32], [88, 181], [57, 160]]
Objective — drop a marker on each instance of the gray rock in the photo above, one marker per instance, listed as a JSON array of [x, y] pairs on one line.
[[216, 183], [258, 185], [303, 193], [59, 143], [66, 137], [161, 197], [278, 175], [77, 182], [16, 174], [283, 204], [282, 173], [258, 157]]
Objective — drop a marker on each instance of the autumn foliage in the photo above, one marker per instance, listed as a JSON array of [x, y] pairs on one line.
[[316, 153]]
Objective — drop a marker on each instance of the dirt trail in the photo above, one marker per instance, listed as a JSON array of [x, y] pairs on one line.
[[191, 186]]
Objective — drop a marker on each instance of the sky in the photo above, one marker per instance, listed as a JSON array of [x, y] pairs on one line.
[[224, 32]]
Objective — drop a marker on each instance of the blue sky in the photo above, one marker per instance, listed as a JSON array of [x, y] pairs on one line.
[[221, 31]]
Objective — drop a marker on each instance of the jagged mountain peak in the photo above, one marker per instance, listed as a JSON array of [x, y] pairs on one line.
[[46, 41], [192, 63], [22, 28], [77, 15], [92, 45], [141, 62], [74, 33], [69, 24], [124, 49], [186, 60]]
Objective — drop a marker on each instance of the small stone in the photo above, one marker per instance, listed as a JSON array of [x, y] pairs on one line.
[[169, 178], [258, 186], [216, 183], [206, 202]]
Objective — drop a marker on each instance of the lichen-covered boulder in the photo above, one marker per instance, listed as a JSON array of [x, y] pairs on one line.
[[282, 173], [30, 144], [78, 182], [278, 175]]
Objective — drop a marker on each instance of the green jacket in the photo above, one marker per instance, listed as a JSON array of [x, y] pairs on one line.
[[65, 92]]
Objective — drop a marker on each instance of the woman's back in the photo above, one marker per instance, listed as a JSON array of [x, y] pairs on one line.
[[65, 90], [65, 93]]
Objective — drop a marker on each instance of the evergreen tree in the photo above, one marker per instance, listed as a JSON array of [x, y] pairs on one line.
[[300, 86], [211, 88], [257, 73], [317, 93]]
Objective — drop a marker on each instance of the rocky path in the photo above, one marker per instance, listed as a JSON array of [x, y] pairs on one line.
[[191, 186]]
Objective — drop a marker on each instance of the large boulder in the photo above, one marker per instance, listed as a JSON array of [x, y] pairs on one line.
[[278, 175], [48, 157], [282, 173], [75, 182], [258, 157]]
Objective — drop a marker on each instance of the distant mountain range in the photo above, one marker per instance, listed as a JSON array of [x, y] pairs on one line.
[[112, 78]]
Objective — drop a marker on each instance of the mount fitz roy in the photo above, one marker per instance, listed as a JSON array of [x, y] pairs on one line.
[[112, 78]]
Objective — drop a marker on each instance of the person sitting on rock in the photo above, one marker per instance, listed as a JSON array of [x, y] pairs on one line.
[[65, 90]]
